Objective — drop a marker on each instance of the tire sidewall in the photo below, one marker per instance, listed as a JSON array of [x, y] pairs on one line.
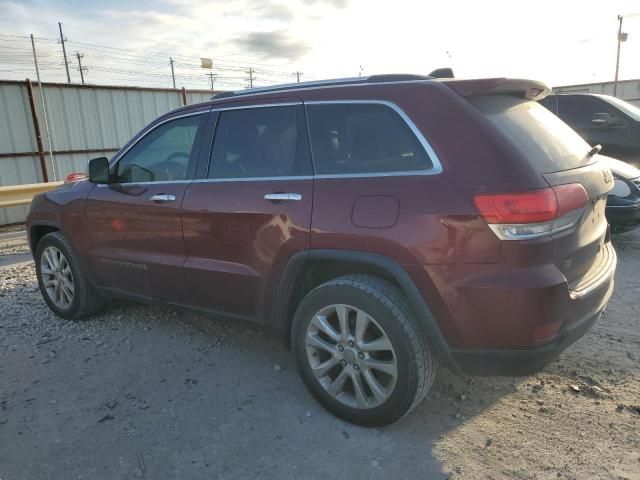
[[406, 382], [54, 241]]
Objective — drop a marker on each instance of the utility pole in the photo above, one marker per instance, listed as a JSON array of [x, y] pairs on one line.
[[212, 78], [44, 108], [622, 37], [173, 75], [80, 67], [64, 52], [251, 78], [298, 76]]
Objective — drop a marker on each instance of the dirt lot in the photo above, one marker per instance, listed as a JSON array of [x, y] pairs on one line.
[[148, 392]]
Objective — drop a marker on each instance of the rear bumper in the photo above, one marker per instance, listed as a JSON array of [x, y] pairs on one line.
[[516, 362], [515, 322], [521, 362]]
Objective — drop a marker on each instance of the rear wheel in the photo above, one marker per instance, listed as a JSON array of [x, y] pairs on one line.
[[63, 284], [360, 352]]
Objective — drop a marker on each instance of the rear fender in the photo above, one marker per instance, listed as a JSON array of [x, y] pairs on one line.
[[294, 271]]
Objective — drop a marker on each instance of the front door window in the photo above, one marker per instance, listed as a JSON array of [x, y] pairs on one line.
[[162, 155]]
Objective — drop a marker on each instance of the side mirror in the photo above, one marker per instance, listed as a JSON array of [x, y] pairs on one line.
[[99, 170]]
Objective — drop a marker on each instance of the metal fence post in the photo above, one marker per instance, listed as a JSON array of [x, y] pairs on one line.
[[36, 129]]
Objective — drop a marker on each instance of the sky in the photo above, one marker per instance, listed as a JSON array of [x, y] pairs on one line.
[[130, 41]]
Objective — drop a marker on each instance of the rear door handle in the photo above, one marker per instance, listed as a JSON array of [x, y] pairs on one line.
[[283, 197], [163, 197]]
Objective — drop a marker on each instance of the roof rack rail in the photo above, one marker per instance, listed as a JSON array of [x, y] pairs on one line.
[[384, 78]]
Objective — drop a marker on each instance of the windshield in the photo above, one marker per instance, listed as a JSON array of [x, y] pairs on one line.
[[548, 143], [626, 107]]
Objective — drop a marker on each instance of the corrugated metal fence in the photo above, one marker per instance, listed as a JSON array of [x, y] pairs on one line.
[[84, 121]]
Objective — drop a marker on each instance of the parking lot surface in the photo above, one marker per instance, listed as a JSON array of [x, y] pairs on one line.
[[149, 392]]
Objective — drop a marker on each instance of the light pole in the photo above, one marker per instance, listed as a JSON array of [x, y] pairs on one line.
[[622, 37]]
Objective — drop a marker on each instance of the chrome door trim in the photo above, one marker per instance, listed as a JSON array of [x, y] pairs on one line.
[[162, 197], [283, 197]]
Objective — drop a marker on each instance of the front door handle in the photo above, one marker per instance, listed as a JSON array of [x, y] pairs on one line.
[[283, 197], [163, 197]]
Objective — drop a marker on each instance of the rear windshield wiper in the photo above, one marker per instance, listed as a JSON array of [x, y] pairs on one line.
[[593, 151]]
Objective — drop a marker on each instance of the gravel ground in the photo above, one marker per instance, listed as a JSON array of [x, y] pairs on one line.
[[149, 392]]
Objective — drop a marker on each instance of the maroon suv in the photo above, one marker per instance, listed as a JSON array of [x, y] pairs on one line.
[[380, 225]]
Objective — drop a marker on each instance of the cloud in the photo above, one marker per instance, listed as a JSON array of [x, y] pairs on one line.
[[333, 3], [274, 11], [276, 44], [256, 9]]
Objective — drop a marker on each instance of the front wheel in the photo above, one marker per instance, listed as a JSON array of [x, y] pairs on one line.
[[360, 351], [63, 284]]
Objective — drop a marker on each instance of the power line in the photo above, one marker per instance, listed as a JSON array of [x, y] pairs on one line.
[[129, 65]]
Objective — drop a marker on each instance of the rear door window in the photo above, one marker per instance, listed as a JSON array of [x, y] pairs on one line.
[[259, 142], [363, 138], [549, 144]]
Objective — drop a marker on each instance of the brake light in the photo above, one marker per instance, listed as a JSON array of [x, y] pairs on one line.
[[526, 215], [75, 177], [570, 197], [529, 207]]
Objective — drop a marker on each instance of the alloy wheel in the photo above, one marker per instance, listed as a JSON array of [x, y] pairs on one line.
[[351, 356], [57, 277]]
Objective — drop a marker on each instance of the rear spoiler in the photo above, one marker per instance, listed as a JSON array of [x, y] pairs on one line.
[[442, 73], [527, 89]]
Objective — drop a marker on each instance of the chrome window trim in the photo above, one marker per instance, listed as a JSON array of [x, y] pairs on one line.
[[252, 179], [436, 169], [407, 173], [266, 105], [435, 160], [121, 153], [159, 182]]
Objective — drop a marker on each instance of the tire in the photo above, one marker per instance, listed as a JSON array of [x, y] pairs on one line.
[[385, 311], [82, 300]]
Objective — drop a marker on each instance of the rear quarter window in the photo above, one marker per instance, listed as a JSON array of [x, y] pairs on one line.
[[363, 138], [548, 144]]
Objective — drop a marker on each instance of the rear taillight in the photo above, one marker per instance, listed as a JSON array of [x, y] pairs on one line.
[[526, 215]]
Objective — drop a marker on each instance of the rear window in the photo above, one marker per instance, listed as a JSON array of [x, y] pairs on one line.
[[548, 143], [363, 138]]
